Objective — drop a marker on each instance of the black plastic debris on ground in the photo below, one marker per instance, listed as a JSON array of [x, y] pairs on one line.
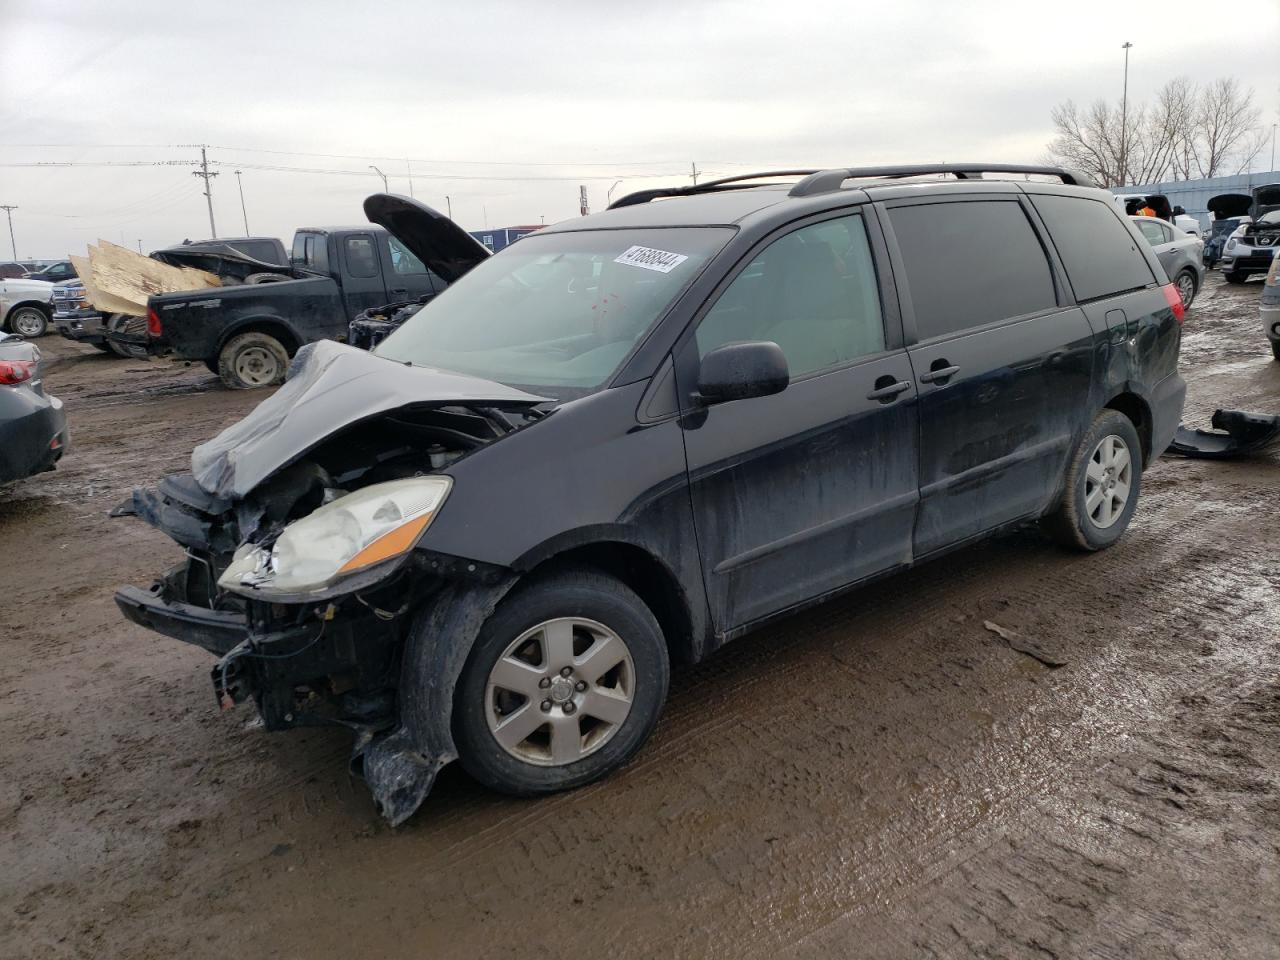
[[1234, 434]]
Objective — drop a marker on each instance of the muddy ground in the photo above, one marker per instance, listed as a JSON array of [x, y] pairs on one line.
[[880, 777]]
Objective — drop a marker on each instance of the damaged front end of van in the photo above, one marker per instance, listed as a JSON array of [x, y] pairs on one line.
[[304, 570]]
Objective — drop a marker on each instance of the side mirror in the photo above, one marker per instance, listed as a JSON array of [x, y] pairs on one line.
[[737, 371]]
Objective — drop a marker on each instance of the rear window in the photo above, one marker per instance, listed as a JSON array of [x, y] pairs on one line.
[[1100, 256], [263, 250], [971, 263]]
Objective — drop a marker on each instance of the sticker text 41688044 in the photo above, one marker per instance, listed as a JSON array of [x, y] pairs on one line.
[[651, 259]]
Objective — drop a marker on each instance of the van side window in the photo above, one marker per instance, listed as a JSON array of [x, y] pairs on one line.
[[1099, 254], [813, 292], [971, 263]]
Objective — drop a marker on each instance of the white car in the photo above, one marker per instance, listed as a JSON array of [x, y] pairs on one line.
[[26, 306]]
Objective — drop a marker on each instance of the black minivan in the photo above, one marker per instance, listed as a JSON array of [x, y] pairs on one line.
[[631, 437]]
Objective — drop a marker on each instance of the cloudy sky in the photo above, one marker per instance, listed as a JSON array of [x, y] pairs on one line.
[[506, 107]]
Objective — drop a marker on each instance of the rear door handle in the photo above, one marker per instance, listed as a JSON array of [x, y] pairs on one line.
[[939, 374], [887, 389]]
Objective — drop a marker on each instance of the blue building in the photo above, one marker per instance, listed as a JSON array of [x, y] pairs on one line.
[[502, 237]]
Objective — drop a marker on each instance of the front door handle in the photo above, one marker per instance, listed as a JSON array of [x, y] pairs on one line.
[[940, 372], [887, 389]]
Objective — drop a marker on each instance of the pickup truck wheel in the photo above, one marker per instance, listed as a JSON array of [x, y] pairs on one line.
[[1104, 479], [563, 685], [1275, 349], [28, 322], [252, 360], [266, 278]]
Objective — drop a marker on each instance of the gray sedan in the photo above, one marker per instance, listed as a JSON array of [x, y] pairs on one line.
[[1181, 254], [33, 426]]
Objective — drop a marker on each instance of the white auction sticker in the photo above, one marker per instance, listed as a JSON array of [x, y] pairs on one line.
[[651, 259]]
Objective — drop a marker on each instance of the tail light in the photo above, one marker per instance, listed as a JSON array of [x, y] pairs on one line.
[[1175, 302], [13, 372], [153, 323]]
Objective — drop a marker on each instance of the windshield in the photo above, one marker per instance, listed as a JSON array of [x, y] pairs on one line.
[[1271, 216], [556, 313]]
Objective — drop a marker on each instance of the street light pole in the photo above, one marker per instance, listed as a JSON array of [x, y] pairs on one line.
[[1273, 146], [410, 171], [12, 242], [385, 188], [1124, 118], [240, 184], [449, 205]]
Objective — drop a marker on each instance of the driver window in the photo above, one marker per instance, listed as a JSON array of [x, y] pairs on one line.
[[812, 292]]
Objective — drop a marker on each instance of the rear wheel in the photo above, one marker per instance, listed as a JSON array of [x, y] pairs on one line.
[[1103, 483], [252, 360], [1235, 276], [564, 684], [29, 322], [1186, 284]]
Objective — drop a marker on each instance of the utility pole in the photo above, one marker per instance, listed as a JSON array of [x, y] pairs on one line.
[[1273, 146], [385, 188], [7, 208], [410, 171], [208, 194], [1124, 118], [694, 167], [448, 205], [139, 244], [240, 184]]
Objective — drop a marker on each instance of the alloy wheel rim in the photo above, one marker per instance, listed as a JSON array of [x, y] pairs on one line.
[[1186, 289], [560, 691], [256, 365], [1108, 481], [28, 322]]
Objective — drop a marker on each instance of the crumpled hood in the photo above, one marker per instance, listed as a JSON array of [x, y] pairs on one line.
[[330, 386]]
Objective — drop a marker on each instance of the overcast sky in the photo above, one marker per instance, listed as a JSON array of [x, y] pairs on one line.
[[506, 107]]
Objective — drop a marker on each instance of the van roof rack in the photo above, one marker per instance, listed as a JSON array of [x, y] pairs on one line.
[[739, 182], [826, 181]]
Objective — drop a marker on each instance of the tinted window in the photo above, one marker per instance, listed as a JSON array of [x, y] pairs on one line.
[[263, 250], [362, 258], [1099, 254], [812, 292], [402, 261], [971, 263]]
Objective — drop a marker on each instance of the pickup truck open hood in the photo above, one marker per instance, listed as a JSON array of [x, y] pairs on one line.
[[1226, 205], [430, 236], [331, 386]]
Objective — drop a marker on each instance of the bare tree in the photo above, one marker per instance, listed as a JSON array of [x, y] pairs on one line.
[[1185, 132]]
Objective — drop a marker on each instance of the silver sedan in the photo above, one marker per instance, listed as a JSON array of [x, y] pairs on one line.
[[1180, 252]]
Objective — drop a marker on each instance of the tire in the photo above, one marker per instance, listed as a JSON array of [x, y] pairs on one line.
[[1275, 349], [1082, 520], [212, 366], [29, 322], [104, 347], [590, 614], [252, 360], [266, 278], [1185, 281], [1235, 276]]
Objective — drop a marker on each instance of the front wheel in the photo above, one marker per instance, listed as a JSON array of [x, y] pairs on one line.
[[1103, 483], [252, 360], [1235, 276], [564, 684], [1186, 284], [1275, 349], [29, 322]]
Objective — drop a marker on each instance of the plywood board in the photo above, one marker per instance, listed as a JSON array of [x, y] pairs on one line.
[[125, 276], [103, 302]]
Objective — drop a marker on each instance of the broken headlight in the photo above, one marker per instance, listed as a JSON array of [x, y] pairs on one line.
[[353, 533]]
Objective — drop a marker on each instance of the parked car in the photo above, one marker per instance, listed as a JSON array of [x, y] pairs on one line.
[[75, 319], [1252, 246], [11, 270], [59, 272], [637, 435], [246, 334], [25, 307], [1269, 306], [33, 426], [1180, 254], [1229, 211]]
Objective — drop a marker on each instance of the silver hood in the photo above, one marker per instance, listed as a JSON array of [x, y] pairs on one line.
[[330, 386]]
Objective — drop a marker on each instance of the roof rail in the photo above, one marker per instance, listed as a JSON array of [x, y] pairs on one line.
[[739, 182], [826, 181]]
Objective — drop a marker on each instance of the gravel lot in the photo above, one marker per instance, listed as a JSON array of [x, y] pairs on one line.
[[880, 777]]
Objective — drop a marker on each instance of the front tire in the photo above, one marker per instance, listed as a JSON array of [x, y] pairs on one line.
[[1235, 276], [1275, 349], [252, 360], [1104, 480], [564, 684], [29, 322]]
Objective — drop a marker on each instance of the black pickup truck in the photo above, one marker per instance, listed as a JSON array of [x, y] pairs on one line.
[[247, 333]]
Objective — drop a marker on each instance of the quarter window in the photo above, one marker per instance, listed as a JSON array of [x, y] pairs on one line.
[[971, 263], [1100, 255], [813, 292]]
